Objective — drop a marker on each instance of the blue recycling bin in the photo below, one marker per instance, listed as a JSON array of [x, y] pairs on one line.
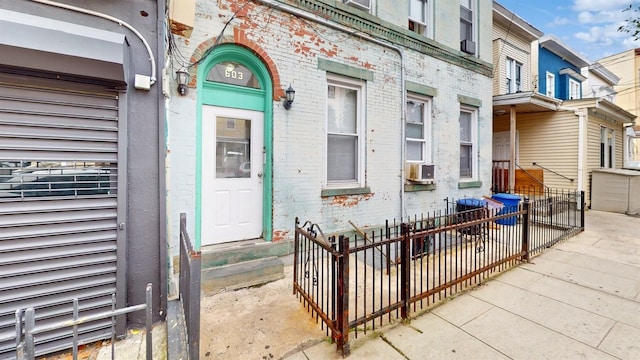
[[510, 205]]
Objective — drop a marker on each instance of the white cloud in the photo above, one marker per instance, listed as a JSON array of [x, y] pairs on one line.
[[602, 17], [602, 5], [559, 21]]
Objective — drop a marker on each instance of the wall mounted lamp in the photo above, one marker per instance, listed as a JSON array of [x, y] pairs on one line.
[[182, 76], [291, 95]]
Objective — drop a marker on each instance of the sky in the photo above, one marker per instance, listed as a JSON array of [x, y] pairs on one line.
[[588, 27]]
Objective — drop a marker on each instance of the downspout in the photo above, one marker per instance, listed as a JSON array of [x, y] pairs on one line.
[[581, 147], [308, 16]]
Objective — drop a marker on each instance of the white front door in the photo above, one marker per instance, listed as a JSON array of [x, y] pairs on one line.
[[232, 166]]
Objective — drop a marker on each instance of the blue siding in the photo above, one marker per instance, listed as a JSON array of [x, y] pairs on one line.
[[550, 62]]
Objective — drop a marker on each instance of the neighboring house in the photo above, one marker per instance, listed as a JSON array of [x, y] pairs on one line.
[[81, 198], [626, 65], [514, 87], [562, 137], [391, 114], [599, 83]]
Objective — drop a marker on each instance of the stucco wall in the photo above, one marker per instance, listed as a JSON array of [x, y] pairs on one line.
[[299, 135]]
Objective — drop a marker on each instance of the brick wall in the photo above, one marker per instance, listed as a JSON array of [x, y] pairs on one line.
[[299, 135]]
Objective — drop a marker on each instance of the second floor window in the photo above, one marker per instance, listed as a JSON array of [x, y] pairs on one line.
[[514, 76], [551, 85], [466, 20], [419, 17], [360, 4], [574, 90]]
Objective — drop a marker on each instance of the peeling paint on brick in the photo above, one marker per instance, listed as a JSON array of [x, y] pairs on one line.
[[348, 201], [280, 235]]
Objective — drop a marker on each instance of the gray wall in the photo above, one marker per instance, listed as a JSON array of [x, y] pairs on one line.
[[146, 258]]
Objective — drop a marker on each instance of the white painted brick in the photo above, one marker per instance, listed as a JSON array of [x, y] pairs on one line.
[[299, 135]]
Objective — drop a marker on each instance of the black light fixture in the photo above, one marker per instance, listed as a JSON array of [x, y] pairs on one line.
[[182, 76], [291, 95]]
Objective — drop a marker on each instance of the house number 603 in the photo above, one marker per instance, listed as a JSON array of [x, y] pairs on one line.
[[233, 74]]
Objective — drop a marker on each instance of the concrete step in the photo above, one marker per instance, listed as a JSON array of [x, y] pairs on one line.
[[241, 275], [237, 252]]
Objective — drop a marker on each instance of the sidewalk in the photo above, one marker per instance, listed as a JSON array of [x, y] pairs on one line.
[[579, 299]]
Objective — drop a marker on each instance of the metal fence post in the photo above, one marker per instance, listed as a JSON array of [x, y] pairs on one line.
[[149, 319], [582, 206], [343, 296], [29, 327], [405, 271], [525, 230]]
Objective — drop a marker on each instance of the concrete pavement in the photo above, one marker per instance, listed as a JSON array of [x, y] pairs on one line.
[[579, 299]]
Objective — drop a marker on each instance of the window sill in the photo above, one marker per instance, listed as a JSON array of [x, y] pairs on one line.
[[469, 184], [345, 191], [419, 187]]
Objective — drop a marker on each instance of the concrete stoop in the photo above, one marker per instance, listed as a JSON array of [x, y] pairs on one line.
[[241, 275], [240, 265]]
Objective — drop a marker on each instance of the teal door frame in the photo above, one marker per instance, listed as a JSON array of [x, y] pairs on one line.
[[233, 96]]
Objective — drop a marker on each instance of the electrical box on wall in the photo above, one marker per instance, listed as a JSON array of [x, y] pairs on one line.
[[182, 15]]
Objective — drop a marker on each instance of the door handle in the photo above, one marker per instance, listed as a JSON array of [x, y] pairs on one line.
[[259, 174]]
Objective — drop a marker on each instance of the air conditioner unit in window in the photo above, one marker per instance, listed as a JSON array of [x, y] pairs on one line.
[[362, 4], [419, 173], [468, 46]]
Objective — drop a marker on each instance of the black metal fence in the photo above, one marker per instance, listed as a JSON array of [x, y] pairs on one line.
[[190, 279], [372, 278]]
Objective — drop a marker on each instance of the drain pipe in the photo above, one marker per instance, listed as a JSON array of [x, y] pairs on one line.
[[581, 146], [308, 16]]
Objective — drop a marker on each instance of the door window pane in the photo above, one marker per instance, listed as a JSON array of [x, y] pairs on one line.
[[233, 148]]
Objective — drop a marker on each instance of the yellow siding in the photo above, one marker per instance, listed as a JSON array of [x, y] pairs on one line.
[[593, 148], [625, 67], [549, 139], [508, 45]]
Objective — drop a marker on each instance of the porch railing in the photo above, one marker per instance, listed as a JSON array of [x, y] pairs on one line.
[[403, 268]]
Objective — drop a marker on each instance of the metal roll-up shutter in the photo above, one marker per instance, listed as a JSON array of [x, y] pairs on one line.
[[58, 206]]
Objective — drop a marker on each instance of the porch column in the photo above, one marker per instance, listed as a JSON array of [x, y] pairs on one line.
[[512, 148]]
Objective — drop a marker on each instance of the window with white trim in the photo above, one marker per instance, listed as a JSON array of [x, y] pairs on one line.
[[467, 26], [418, 130], [607, 150], [551, 85], [420, 17], [359, 4], [468, 142], [574, 90], [345, 141], [513, 76]]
